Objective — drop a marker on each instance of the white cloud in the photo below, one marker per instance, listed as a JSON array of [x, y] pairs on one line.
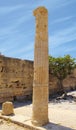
[[70, 49], [63, 36], [12, 27], [9, 9], [63, 19], [24, 49], [64, 3], [15, 43]]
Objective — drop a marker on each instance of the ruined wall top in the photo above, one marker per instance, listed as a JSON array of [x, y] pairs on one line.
[[40, 11]]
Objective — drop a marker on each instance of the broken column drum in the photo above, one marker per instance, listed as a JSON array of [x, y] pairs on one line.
[[41, 78]]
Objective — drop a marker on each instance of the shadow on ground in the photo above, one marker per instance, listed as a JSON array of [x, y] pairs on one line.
[[63, 98], [18, 104], [52, 126], [21, 104]]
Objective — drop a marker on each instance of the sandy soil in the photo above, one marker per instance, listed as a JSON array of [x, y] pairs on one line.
[[62, 114], [7, 125]]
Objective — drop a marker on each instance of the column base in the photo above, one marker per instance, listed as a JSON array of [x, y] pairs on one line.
[[39, 123]]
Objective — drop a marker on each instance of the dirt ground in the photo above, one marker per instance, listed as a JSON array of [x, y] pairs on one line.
[[7, 125], [62, 114]]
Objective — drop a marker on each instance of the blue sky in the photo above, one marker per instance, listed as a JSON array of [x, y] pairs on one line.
[[17, 27]]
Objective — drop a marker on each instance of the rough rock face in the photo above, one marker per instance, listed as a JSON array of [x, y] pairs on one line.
[[69, 83], [16, 78], [7, 108]]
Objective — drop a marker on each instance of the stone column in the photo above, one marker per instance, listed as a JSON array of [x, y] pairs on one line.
[[40, 83]]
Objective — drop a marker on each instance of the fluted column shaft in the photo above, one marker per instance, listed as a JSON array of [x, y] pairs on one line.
[[40, 83]]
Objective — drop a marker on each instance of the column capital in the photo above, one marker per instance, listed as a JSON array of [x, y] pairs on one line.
[[40, 11]]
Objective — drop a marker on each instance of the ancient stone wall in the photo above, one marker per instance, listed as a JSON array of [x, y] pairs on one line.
[[69, 83], [16, 79]]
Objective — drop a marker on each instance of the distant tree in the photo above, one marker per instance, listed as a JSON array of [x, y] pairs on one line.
[[61, 67]]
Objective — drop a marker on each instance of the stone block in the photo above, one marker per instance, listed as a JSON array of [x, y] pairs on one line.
[[7, 108]]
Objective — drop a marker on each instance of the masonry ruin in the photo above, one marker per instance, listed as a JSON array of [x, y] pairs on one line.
[[16, 80], [41, 69]]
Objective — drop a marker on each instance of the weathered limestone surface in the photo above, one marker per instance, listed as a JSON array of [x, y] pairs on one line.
[[16, 78], [69, 83], [41, 78], [7, 108]]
